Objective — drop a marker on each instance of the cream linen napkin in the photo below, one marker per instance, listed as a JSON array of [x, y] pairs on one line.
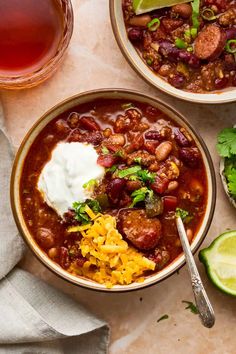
[[34, 317]]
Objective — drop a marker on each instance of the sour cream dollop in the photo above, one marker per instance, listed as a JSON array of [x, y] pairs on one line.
[[62, 178]]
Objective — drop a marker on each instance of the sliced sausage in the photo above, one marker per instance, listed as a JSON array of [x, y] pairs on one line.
[[210, 43], [144, 233]]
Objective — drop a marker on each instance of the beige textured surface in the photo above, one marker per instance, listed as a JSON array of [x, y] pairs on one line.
[[94, 61]]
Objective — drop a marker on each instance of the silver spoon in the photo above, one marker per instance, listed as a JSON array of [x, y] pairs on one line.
[[206, 312]]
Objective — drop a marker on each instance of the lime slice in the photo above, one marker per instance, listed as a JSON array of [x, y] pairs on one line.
[[142, 6], [220, 262]]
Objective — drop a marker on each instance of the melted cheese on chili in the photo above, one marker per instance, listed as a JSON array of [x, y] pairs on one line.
[[62, 178]]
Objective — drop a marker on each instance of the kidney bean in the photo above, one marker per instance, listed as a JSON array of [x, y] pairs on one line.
[[173, 185], [184, 10], [153, 111], [62, 127], [189, 59], [190, 156], [151, 146], [107, 160], [170, 203], [45, 237], [163, 150], [180, 137], [168, 50], [177, 80], [229, 62], [135, 34], [153, 135], [80, 261], [230, 33], [114, 189], [64, 257], [160, 256], [73, 120], [89, 123], [221, 83], [160, 185], [140, 21]]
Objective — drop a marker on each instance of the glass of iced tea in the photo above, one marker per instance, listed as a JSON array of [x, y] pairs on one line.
[[34, 35]]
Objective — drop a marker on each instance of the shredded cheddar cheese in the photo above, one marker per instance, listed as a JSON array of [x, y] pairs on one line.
[[110, 260]]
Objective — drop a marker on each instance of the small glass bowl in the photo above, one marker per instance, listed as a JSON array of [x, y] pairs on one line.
[[38, 76]]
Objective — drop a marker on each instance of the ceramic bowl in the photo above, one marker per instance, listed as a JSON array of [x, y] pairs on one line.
[[136, 62], [63, 107]]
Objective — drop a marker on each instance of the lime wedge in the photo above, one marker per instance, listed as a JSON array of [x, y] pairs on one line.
[[142, 6], [220, 262]]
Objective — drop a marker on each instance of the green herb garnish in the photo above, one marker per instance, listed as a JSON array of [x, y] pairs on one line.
[[226, 145], [164, 317], [195, 13], [111, 169], [119, 153], [146, 176], [179, 43], [79, 208], [183, 214], [230, 174], [105, 150], [191, 306], [138, 160], [140, 195], [128, 171], [90, 184]]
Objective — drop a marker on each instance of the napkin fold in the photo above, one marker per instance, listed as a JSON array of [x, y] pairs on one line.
[[35, 318]]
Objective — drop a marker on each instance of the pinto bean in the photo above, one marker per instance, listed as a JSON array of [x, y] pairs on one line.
[[140, 21], [163, 150], [107, 132], [184, 10], [133, 185], [45, 237], [117, 139], [53, 252], [73, 120], [173, 185]]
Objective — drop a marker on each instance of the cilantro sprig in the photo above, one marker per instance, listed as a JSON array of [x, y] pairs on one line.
[[140, 195], [80, 207], [183, 214], [191, 306], [226, 142]]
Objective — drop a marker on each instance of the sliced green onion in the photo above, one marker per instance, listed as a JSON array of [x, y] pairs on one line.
[[129, 171], [149, 61], [153, 24], [195, 12], [193, 32], [208, 14], [179, 43], [189, 49], [127, 105], [231, 46]]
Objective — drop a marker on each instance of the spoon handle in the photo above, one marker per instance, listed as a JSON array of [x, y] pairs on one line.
[[205, 309]]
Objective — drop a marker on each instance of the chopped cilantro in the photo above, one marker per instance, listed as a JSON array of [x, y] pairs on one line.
[[140, 194], [128, 171], [232, 182], [111, 169], [79, 208], [90, 184], [133, 178], [164, 317], [226, 145], [146, 176], [191, 306], [105, 150], [183, 214], [119, 153]]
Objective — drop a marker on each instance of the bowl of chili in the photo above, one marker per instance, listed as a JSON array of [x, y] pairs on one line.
[[96, 185], [186, 50]]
